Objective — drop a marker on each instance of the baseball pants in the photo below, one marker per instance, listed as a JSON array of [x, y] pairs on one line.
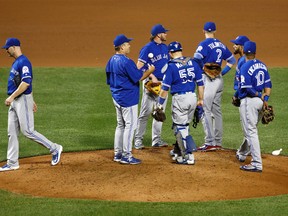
[[126, 125], [21, 118], [147, 104], [212, 110], [250, 109]]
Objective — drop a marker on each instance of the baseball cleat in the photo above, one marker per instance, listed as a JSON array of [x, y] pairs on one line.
[[56, 157], [7, 167], [207, 148], [160, 144], [139, 147], [240, 157], [218, 147], [250, 168], [188, 159], [117, 157], [130, 160]]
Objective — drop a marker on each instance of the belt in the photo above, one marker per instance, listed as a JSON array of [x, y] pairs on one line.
[[181, 93]]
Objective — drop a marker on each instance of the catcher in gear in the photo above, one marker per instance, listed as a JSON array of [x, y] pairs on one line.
[[182, 77]]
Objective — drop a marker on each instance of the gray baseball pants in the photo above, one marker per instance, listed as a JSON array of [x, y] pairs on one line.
[[147, 104], [212, 121], [249, 110], [21, 118]]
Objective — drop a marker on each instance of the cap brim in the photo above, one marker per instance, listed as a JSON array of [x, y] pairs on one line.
[[5, 47]]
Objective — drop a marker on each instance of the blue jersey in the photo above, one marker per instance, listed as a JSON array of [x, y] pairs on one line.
[[181, 75], [254, 77], [212, 50], [241, 61], [21, 71], [160, 57], [123, 77]]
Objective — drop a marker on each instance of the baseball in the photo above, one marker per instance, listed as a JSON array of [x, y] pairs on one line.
[[150, 55]]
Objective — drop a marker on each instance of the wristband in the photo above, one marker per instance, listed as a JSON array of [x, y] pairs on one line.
[[259, 94], [266, 98], [161, 100]]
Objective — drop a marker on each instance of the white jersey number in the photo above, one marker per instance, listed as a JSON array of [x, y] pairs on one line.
[[219, 56], [260, 77]]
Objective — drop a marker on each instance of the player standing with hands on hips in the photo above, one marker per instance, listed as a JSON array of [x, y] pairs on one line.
[[156, 53], [211, 50], [123, 78], [181, 77], [21, 108], [254, 92]]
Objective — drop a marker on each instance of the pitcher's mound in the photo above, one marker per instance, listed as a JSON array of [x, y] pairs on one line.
[[94, 175]]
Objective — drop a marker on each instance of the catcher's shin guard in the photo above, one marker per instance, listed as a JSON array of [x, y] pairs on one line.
[[180, 143], [190, 145]]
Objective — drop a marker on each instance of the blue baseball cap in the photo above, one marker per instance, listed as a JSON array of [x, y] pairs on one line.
[[250, 47], [210, 26], [157, 29], [11, 42], [174, 47], [120, 39], [240, 40]]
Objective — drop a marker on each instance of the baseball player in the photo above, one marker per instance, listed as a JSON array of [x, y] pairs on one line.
[[155, 52], [181, 77], [123, 78], [212, 50], [254, 92], [21, 108], [238, 49]]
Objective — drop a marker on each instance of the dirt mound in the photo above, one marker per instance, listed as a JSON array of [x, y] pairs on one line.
[[94, 175]]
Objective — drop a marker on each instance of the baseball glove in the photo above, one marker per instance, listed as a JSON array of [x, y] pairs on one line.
[[212, 70], [158, 114], [236, 101], [153, 88], [267, 114], [197, 115]]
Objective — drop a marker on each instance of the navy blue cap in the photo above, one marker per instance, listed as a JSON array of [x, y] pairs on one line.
[[11, 42], [174, 46], [157, 29], [120, 39], [240, 40], [210, 26], [250, 47]]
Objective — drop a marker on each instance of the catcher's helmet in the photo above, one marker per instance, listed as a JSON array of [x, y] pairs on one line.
[[174, 47]]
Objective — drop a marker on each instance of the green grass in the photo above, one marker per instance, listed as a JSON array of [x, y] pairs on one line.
[[12, 204], [75, 109]]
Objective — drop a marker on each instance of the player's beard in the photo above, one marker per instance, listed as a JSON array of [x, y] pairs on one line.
[[163, 37], [237, 51]]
